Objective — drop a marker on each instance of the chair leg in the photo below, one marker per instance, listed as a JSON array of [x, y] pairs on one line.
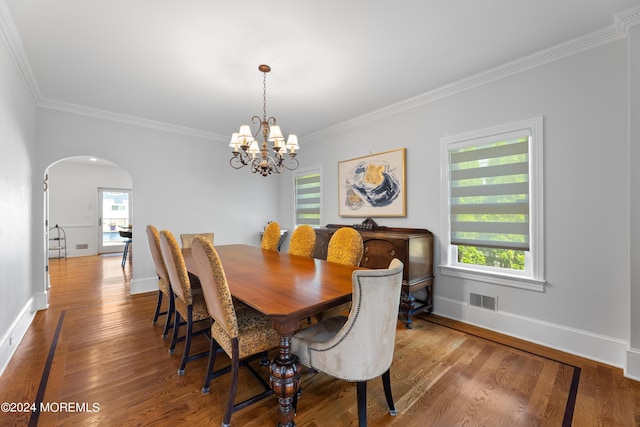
[[213, 349], [361, 392], [264, 360], [124, 254], [158, 306], [187, 341], [235, 366], [386, 383], [170, 311], [174, 337]]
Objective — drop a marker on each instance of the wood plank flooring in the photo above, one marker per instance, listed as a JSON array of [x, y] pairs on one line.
[[96, 351]]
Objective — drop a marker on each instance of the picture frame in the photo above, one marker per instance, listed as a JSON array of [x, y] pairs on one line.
[[373, 185]]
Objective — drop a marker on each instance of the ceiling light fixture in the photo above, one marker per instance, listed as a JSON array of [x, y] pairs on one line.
[[245, 147]]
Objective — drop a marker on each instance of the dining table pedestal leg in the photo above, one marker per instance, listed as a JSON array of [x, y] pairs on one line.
[[285, 381]]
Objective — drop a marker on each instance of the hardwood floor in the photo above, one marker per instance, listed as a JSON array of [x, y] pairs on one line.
[[95, 346]]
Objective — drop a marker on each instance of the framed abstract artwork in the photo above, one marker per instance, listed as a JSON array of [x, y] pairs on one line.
[[373, 185]]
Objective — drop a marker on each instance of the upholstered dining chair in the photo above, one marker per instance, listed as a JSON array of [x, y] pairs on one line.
[[345, 247], [271, 237], [187, 238], [303, 241], [189, 301], [164, 288], [359, 347], [241, 332]]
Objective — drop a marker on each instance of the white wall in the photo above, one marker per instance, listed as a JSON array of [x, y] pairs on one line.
[[584, 100], [181, 183], [17, 157], [73, 200]]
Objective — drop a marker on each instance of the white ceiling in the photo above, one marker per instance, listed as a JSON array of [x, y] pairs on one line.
[[194, 63]]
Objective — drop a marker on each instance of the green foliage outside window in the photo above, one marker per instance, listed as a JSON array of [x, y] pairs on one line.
[[503, 258]]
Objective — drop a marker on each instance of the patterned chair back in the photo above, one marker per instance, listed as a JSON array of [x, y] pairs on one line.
[[214, 285], [303, 241], [271, 237], [177, 269], [153, 239], [187, 238], [345, 247]]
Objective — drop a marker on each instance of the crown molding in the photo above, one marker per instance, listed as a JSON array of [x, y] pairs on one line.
[[127, 119], [11, 39], [617, 31], [628, 19]]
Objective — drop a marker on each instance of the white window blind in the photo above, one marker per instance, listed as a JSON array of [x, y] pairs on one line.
[[489, 193], [307, 198]]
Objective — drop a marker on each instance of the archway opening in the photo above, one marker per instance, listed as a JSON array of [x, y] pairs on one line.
[[78, 220]]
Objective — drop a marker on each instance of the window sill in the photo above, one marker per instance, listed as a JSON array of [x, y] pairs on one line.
[[493, 278]]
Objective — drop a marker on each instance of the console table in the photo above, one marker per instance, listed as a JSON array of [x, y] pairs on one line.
[[412, 246]]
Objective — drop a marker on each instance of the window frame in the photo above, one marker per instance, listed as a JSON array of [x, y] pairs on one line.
[[299, 173], [532, 277]]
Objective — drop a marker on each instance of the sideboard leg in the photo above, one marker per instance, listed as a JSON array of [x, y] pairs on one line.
[[407, 305]]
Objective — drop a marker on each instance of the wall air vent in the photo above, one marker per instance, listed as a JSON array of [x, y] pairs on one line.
[[82, 246], [484, 301]]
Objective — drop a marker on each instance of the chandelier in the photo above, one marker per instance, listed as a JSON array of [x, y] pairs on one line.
[[246, 151]]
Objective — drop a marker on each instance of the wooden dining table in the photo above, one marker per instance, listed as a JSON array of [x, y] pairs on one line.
[[286, 288]]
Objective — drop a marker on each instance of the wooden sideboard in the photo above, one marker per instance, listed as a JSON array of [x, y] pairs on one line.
[[412, 246]]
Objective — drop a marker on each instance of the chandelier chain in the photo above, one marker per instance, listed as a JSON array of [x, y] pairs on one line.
[[264, 96]]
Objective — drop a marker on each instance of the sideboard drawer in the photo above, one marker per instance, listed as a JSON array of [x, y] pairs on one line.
[[378, 253]]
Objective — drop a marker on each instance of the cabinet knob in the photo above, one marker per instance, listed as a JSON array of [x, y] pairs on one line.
[[366, 249], [393, 252], [366, 259]]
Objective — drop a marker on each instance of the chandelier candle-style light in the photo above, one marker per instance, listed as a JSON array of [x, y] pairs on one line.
[[246, 151]]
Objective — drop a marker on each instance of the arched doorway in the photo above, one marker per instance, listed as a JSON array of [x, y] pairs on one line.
[[72, 202]]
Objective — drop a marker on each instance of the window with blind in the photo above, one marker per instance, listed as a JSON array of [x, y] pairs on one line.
[[307, 197], [493, 188]]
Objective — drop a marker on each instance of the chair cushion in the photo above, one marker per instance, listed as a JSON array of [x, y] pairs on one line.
[[320, 332], [255, 333], [199, 307], [163, 285], [340, 310]]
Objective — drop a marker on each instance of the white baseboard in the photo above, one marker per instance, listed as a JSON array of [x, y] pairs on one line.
[[632, 370], [140, 286], [589, 345], [11, 339], [42, 300]]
